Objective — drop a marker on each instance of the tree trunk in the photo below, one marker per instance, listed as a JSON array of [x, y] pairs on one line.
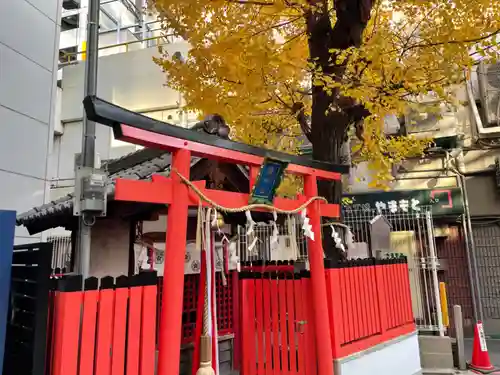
[[328, 135], [330, 118]]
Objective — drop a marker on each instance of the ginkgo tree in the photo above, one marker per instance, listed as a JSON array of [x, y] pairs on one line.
[[329, 69]]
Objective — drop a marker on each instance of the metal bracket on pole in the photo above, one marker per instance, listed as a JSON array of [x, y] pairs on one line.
[[90, 192]]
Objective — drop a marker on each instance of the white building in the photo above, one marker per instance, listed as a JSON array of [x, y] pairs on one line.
[[28, 70]]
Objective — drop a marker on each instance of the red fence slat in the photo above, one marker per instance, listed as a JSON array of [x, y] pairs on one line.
[[119, 331], [89, 323], [248, 327], [301, 321], [311, 358], [292, 348], [104, 330], [283, 326], [236, 320], [67, 320], [266, 295], [407, 291], [369, 303], [134, 330], [275, 325], [148, 330], [259, 326]]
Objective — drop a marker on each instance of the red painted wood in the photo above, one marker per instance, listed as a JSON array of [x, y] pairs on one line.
[[87, 336], [368, 342], [259, 320], [270, 268], [143, 191], [250, 333], [119, 331], [379, 317], [104, 332], [366, 302], [356, 303], [134, 330], [310, 331], [398, 288], [301, 321], [283, 326], [236, 320], [342, 300], [253, 173], [318, 284], [66, 342], [155, 140], [391, 289], [148, 330], [275, 326], [215, 341], [336, 315], [268, 352], [158, 192], [349, 306], [409, 306], [373, 308], [173, 276], [364, 329], [371, 295], [292, 345], [382, 303], [245, 317]]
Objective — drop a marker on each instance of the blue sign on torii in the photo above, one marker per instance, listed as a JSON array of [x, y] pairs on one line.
[[7, 230]]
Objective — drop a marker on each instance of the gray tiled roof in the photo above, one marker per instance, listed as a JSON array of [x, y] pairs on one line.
[[139, 165]]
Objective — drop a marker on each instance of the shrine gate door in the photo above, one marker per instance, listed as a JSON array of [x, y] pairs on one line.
[[277, 335]]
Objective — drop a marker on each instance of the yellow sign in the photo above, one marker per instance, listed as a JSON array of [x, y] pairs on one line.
[[84, 50]]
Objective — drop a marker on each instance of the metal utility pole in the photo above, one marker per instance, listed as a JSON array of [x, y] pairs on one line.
[[90, 183]]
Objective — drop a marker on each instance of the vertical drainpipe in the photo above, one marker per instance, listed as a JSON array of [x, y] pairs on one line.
[[470, 243]]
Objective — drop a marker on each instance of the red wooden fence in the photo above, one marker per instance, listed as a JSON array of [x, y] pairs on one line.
[[277, 326], [190, 304], [369, 303], [107, 329]]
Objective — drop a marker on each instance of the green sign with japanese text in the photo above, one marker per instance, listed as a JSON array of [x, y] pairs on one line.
[[443, 201]]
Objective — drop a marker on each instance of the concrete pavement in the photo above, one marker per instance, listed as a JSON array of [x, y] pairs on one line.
[[493, 350]]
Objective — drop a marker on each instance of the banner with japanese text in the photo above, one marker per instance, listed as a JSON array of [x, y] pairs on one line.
[[443, 201]]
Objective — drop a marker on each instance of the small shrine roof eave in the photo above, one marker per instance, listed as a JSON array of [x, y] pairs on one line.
[[139, 165], [123, 120]]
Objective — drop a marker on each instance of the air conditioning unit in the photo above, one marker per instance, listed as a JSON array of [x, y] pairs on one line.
[[425, 124], [489, 94]]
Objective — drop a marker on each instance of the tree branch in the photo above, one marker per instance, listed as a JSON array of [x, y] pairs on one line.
[[298, 111], [251, 2], [465, 41], [277, 26]]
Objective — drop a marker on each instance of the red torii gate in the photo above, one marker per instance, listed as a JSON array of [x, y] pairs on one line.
[[183, 144]]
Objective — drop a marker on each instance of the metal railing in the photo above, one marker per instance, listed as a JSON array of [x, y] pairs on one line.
[[61, 253], [156, 41], [412, 235], [291, 243]]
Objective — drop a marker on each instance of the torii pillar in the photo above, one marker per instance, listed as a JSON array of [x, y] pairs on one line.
[[183, 144]]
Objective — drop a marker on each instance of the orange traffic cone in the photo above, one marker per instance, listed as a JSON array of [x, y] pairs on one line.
[[480, 363]]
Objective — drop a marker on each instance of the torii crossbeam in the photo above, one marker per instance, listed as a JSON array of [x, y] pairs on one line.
[[183, 144]]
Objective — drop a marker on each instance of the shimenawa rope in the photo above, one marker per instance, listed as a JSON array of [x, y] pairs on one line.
[[249, 207]]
